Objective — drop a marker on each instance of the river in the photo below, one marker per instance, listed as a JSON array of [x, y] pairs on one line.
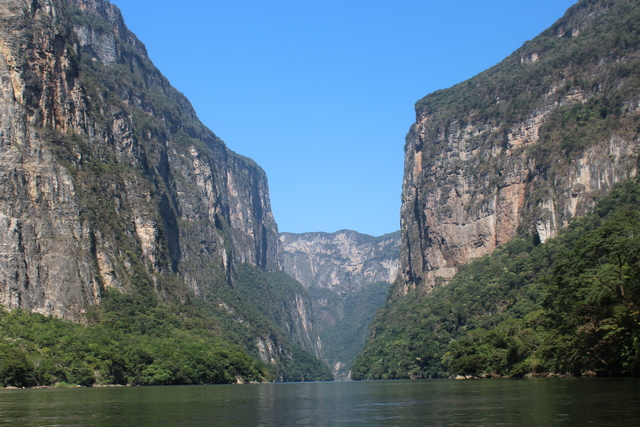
[[491, 402]]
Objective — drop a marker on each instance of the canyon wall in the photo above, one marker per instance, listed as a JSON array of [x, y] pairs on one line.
[[109, 182], [347, 275], [344, 261], [523, 147]]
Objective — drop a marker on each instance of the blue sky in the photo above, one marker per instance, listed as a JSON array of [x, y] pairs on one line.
[[320, 93]]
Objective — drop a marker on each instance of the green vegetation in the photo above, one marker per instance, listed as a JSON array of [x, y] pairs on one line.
[[135, 339], [569, 306], [343, 340], [265, 305], [131, 339], [92, 20], [566, 61], [155, 329]]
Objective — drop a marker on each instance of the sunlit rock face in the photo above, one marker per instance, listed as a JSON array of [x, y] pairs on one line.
[[343, 262], [522, 148], [108, 179], [347, 275]]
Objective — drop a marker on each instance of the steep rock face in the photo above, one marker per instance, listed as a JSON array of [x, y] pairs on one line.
[[525, 146], [99, 150], [42, 263], [343, 262], [282, 300], [347, 275], [109, 180]]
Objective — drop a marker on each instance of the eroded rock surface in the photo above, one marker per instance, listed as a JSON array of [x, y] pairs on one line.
[[108, 180], [522, 148]]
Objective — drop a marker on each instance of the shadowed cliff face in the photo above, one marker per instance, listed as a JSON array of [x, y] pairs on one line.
[[108, 178], [525, 146]]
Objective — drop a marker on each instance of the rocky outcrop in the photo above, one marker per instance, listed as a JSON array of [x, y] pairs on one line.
[[42, 240], [523, 147]]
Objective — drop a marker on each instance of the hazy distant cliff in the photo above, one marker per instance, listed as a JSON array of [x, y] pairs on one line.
[[344, 261], [109, 180], [347, 275], [525, 146]]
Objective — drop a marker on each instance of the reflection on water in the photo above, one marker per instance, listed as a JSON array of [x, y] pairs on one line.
[[535, 402]]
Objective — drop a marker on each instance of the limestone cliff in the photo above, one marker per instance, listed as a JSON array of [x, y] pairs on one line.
[[525, 146], [108, 179], [347, 275], [344, 261]]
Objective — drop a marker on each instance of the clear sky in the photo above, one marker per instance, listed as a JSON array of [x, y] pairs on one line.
[[320, 93]]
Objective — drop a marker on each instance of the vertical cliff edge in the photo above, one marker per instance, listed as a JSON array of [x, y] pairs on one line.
[[525, 146], [508, 178], [109, 182]]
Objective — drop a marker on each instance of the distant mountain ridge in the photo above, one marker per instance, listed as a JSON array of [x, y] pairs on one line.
[[343, 261]]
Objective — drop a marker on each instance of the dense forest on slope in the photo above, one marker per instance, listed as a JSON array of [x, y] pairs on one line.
[[137, 339], [570, 53], [134, 340], [342, 340], [122, 212], [569, 306]]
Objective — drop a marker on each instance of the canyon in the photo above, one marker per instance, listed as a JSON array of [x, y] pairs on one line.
[[111, 186], [347, 275], [501, 170]]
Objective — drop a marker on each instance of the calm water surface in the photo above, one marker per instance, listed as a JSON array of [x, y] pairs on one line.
[[530, 402]]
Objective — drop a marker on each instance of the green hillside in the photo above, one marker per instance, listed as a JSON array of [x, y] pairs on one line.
[[569, 306], [137, 339]]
